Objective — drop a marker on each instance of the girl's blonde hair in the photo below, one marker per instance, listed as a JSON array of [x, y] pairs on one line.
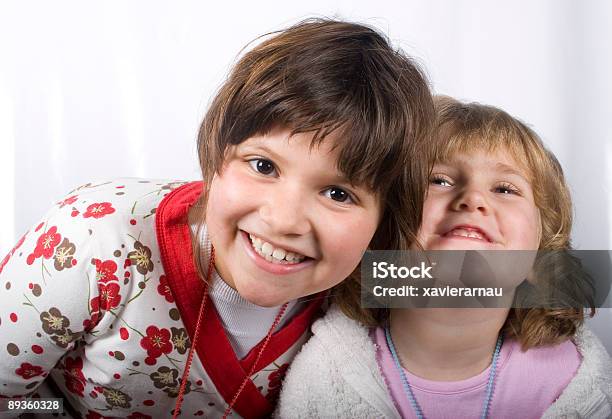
[[465, 127]]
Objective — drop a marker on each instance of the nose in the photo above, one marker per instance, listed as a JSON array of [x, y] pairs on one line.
[[285, 211], [471, 200]]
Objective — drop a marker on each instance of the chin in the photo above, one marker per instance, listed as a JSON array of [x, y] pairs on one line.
[[262, 299]]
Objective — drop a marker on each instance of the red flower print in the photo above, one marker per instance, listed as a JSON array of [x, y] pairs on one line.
[[74, 386], [90, 323], [164, 290], [94, 415], [105, 270], [157, 342], [27, 371], [275, 381], [279, 373], [95, 305], [99, 210], [109, 296], [74, 368], [73, 374], [68, 201], [45, 245]]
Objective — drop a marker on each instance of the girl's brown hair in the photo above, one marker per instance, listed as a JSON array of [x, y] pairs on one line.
[[322, 76], [465, 127]]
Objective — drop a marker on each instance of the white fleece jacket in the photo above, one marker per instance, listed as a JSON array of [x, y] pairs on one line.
[[336, 376]]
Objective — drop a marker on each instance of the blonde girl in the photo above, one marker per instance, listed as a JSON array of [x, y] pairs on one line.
[[493, 186]]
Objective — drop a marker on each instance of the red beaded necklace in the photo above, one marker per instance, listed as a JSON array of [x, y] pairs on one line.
[[179, 400]]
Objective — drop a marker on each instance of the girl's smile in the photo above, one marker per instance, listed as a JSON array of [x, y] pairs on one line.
[[466, 231], [284, 222], [265, 260], [273, 253], [480, 201]]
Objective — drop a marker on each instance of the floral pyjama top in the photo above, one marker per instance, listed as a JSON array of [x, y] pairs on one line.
[[100, 300]]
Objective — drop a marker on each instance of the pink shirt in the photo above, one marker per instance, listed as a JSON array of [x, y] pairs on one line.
[[526, 383]]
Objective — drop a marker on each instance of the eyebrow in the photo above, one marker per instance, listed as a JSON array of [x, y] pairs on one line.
[[265, 149], [502, 167], [338, 177], [510, 170]]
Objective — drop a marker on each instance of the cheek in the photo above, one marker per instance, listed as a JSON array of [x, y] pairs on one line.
[[230, 195], [537, 229], [433, 213], [345, 240], [223, 208], [526, 227]]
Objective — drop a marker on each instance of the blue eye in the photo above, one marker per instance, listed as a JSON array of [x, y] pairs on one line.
[[338, 194], [263, 166]]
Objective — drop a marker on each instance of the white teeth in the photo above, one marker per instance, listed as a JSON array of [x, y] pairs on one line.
[[272, 254], [467, 233], [279, 254], [267, 249]]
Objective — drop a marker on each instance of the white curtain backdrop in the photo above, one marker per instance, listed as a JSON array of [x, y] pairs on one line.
[[96, 90]]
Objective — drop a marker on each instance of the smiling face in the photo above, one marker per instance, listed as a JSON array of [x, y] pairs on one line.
[[284, 223], [481, 200]]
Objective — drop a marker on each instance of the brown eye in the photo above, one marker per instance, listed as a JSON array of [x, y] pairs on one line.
[[506, 189], [440, 181], [338, 194], [263, 166]]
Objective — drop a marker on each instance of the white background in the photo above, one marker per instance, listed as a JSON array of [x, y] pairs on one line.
[[97, 90]]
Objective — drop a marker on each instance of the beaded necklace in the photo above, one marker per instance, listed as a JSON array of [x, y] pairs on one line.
[[408, 390], [230, 406]]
